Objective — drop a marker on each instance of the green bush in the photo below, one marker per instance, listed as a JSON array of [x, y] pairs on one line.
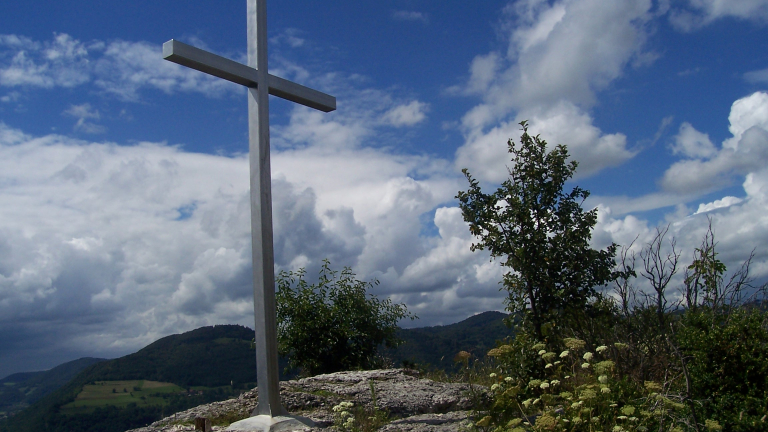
[[577, 390], [728, 365], [562, 396], [333, 325]]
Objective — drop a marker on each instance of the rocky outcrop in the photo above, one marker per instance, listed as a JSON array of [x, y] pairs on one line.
[[408, 402]]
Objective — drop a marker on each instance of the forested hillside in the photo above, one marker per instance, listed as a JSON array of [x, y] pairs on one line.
[[436, 346]]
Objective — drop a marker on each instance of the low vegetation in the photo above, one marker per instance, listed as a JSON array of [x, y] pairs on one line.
[[348, 417]]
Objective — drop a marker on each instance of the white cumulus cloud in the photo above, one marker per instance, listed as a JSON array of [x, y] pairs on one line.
[[408, 114], [82, 113], [486, 156], [693, 144], [705, 169], [559, 55], [118, 68], [718, 204]]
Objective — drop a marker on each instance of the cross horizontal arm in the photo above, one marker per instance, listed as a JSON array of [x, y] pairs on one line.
[[230, 70], [202, 60], [293, 92]]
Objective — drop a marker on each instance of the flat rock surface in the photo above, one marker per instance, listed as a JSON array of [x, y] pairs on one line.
[[413, 403], [448, 422]]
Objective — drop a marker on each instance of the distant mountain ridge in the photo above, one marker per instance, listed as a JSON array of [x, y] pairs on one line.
[[19, 390], [222, 355], [207, 356], [437, 346]]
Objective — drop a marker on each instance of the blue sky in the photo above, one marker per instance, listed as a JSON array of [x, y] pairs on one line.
[[123, 177]]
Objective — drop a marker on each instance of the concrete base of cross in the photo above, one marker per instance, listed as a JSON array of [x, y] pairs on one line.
[[265, 423]]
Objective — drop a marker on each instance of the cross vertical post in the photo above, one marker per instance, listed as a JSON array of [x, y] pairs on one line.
[[261, 217], [269, 414]]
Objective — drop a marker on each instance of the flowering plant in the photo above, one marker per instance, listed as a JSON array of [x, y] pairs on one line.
[[583, 392]]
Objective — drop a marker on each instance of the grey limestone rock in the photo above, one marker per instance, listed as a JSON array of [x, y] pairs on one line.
[[448, 422], [413, 403]]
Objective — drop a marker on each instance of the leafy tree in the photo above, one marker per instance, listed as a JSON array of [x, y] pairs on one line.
[[333, 325], [540, 233]]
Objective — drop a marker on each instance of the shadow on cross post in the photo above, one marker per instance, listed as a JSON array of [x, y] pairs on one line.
[[269, 416]]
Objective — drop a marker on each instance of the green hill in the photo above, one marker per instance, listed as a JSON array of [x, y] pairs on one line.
[[436, 346], [208, 356], [219, 362]]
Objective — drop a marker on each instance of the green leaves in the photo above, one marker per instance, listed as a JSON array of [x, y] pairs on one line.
[[333, 325], [728, 364], [705, 274], [540, 232]]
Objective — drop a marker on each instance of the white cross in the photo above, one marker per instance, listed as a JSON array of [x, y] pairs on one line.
[[260, 84]]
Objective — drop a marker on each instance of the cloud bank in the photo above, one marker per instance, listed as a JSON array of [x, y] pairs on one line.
[[116, 246]]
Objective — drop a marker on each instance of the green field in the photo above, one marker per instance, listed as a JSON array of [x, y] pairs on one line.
[[120, 394]]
